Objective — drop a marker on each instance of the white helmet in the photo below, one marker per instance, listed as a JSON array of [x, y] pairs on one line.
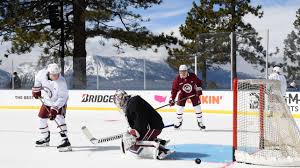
[[120, 98], [53, 68], [183, 68], [293, 84], [277, 69]]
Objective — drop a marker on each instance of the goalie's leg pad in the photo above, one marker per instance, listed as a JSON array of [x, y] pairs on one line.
[[143, 149], [148, 149]]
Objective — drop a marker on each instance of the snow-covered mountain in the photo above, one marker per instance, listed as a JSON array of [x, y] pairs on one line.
[[127, 73], [128, 68], [123, 72], [4, 79]]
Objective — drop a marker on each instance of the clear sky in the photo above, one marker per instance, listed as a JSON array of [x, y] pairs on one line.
[[279, 16]]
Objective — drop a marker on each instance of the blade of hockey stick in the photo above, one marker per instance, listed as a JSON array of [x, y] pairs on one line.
[[94, 140], [88, 134]]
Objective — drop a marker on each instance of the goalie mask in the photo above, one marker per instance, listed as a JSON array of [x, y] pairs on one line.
[[120, 98]]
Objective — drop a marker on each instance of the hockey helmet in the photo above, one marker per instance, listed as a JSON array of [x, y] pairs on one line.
[[183, 68], [120, 98], [53, 69], [293, 84], [277, 69]]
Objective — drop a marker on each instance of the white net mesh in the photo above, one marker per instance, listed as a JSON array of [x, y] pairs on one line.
[[267, 134]]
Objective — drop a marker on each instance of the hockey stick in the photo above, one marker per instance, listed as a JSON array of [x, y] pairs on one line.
[[94, 140], [176, 101], [40, 98]]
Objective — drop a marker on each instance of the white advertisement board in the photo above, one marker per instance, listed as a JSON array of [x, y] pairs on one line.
[[219, 102]]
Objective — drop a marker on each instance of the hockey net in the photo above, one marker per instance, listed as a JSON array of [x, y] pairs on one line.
[[264, 131]]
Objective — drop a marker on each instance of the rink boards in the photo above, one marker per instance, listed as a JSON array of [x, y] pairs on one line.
[[215, 102]]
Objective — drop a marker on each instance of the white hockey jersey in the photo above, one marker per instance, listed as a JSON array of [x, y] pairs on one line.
[[55, 93], [281, 78]]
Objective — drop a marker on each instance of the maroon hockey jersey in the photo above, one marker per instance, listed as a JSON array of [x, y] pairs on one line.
[[186, 87]]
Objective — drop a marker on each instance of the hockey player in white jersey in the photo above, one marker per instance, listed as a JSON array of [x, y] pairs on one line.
[[277, 75], [52, 87]]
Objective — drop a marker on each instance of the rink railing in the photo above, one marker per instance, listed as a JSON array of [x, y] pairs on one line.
[[216, 102]]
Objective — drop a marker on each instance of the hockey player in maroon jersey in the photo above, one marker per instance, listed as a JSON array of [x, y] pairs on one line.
[[186, 84], [144, 125]]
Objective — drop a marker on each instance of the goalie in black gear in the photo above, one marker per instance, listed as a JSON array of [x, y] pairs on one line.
[[145, 124]]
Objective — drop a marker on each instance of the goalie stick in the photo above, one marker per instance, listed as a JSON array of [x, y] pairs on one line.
[[94, 140]]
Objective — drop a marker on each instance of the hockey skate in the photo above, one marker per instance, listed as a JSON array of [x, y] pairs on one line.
[[162, 141], [43, 142], [65, 146], [201, 126], [178, 124], [163, 153]]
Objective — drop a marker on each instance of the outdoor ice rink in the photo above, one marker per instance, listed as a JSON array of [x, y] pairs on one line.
[[19, 131]]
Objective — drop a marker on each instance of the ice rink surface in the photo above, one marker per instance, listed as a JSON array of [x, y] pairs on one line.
[[19, 131]]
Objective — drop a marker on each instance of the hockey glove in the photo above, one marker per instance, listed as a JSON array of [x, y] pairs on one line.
[[53, 112], [198, 91], [130, 138], [171, 102], [36, 92]]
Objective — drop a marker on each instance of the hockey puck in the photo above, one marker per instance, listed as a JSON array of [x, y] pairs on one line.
[[198, 161]]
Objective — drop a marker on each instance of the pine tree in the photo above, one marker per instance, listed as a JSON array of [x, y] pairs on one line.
[[26, 24], [206, 33], [200, 41], [244, 37], [291, 53]]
